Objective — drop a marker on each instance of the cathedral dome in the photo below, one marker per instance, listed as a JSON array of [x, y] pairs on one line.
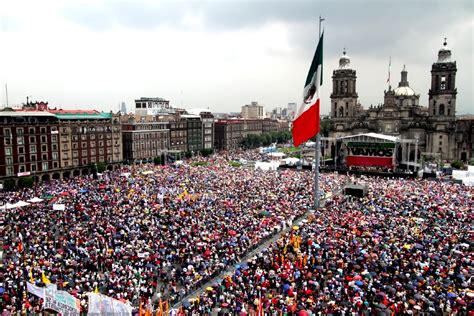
[[404, 91], [403, 88], [344, 61]]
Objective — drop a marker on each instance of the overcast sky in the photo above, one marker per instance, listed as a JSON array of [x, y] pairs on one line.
[[93, 54]]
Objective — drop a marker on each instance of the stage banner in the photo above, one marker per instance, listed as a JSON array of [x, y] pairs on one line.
[[100, 304], [61, 302], [370, 154]]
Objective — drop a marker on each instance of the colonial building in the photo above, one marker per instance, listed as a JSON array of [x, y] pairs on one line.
[[144, 138], [230, 133], [431, 130], [178, 133], [53, 144], [30, 145], [88, 137]]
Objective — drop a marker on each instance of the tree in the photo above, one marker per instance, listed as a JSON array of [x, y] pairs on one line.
[[188, 154], [157, 160], [206, 152], [457, 164], [325, 126], [9, 184], [25, 182], [101, 167]]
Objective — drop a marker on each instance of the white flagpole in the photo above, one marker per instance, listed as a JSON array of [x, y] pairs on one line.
[[317, 145]]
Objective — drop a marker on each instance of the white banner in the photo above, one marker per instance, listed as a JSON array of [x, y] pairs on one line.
[[100, 304], [35, 290], [59, 207], [62, 302]]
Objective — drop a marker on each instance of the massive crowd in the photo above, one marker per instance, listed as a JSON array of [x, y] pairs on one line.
[[146, 232], [403, 249]]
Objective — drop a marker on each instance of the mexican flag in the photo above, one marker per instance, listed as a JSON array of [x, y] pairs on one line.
[[306, 122]]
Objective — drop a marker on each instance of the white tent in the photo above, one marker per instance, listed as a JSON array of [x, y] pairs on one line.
[[21, 204], [35, 200], [290, 161], [8, 206], [277, 154]]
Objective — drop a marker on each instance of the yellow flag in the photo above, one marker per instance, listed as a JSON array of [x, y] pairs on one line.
[[45, 279], [96, 290], [32, 280]]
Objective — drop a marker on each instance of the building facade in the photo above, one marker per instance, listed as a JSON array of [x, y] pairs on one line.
[[30, 145], [152, 106], [54, 144], [88, 137], [144, 138], [193, 132], [424, 131], [253, 111], [230, 133]]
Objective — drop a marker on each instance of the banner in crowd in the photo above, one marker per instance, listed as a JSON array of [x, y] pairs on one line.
[[59, 207], [370, 154], [100, 304], [61, 302], [35, 290]]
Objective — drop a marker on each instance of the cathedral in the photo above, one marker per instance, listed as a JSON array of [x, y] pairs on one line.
[[423, 131]]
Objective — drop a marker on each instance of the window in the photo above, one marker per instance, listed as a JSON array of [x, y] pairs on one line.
[[43, 130], [55, 164], [21, 159], [32, 130], [45, 166], [32, 139], [21, 168], [441, 109], [8, 141], [441, 143], [43, 139], [65, 146], [84, 153], [443, 83], [440, 136], [55, 146], [55, 156], [33, 167], [7, 132], [33, 157], [9, 161], [54, 138], [44, 156], [84, 161], [9, 171], [84, 144], [21, 150], [20, 140], [32, 149], [19, 131], [66, 164], [44, 148]]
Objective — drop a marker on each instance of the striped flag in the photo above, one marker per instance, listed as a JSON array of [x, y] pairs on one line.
[[306, 122]]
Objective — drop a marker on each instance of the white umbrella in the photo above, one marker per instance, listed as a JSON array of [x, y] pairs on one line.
[[35, 200]]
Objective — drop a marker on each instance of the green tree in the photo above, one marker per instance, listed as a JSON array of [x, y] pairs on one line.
[[206, 152], [188, 154], [157, 160], [457, 164], [9, 184], [101, 167], [25, 182]]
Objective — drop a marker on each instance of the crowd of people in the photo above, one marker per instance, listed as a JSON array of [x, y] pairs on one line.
[[144, 232], [403, 249]]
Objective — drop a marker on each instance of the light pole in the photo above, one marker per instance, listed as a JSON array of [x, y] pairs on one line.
[[416, 154]]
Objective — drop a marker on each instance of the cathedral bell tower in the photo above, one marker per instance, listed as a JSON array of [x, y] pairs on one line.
[[344, 95], [442, 95], [442, 106]]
